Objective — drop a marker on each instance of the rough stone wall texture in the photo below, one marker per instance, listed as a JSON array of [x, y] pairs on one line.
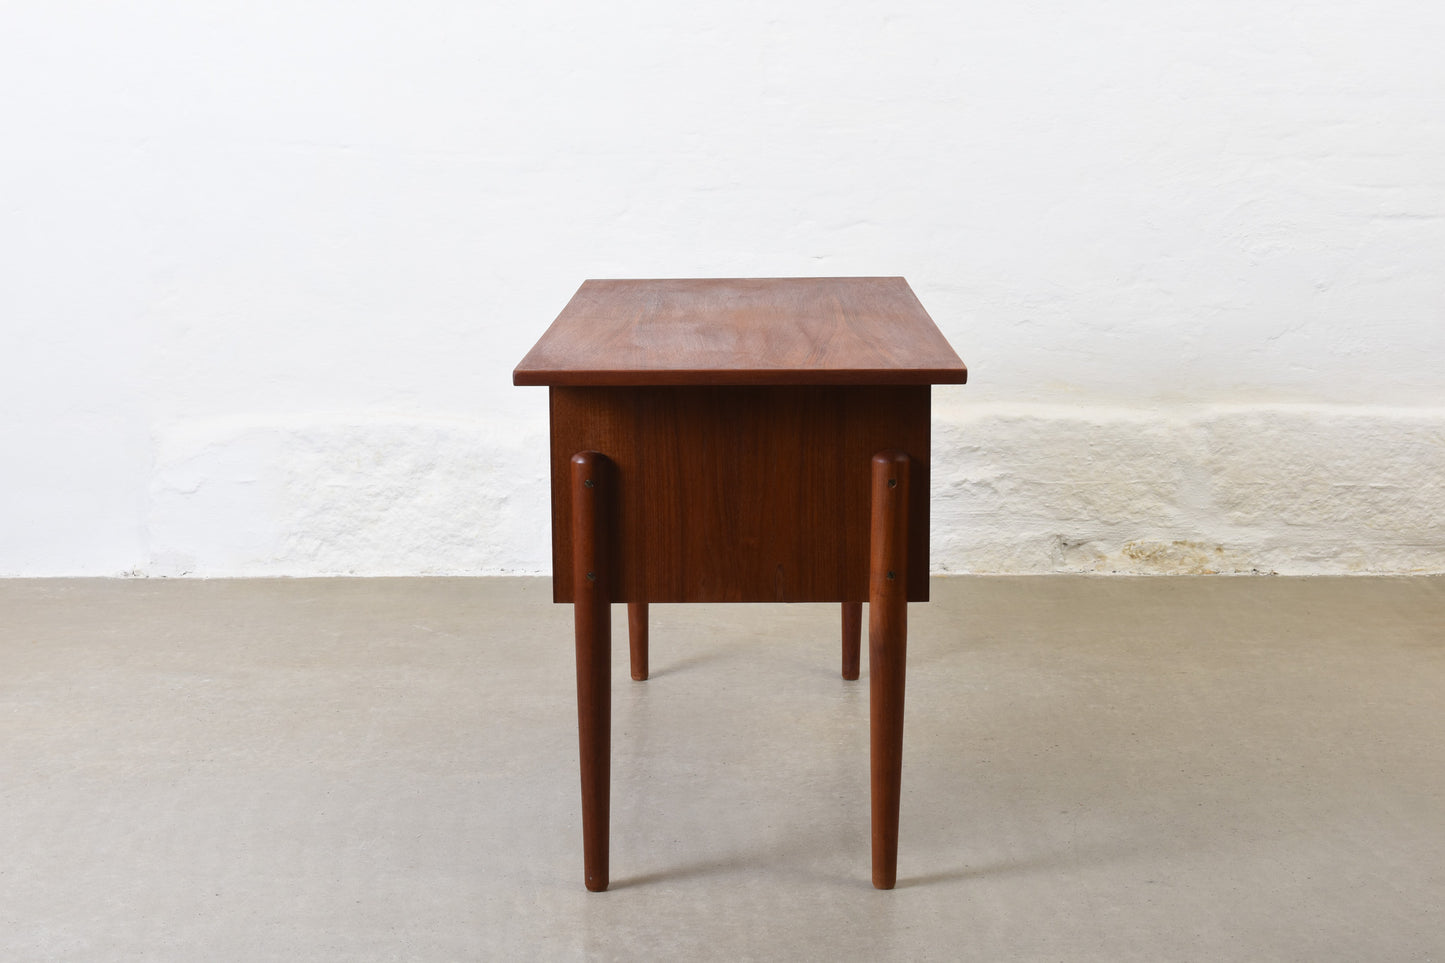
[[264, 270], [1290, 489]]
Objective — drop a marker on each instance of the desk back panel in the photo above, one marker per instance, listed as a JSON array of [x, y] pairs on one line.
[[739, 493]]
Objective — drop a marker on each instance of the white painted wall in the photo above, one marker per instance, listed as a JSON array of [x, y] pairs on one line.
[[265, 268]]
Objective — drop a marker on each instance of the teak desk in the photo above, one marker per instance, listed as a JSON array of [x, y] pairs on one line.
[[741, 441]]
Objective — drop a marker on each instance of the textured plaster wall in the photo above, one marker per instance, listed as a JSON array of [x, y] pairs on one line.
[[265, 268], [1217, 489]]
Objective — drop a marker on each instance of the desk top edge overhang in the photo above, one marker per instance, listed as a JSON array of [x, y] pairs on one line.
[[742, 331]]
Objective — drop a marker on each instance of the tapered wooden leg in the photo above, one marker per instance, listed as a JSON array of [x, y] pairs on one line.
[[887, 654], [637, 639], [852, 638], [592, 613]]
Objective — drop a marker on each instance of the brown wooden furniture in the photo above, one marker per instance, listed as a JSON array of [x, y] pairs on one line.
[[760, 440]]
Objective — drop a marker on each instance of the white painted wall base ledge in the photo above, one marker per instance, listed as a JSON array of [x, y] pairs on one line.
[[1226, 489]]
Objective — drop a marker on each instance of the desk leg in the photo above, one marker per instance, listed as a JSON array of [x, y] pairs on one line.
[[852, 638], [887, 654], [593, 619], [637, 639]]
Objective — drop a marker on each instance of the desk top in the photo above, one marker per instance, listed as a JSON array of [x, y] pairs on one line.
[[734, 331]]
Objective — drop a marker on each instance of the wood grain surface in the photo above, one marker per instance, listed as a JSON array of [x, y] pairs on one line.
[[757, 331], [852, 639], [887, 654], [739, 494], [589, 483]]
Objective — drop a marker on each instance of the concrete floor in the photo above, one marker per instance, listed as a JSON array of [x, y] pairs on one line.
[[1095, 769]]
